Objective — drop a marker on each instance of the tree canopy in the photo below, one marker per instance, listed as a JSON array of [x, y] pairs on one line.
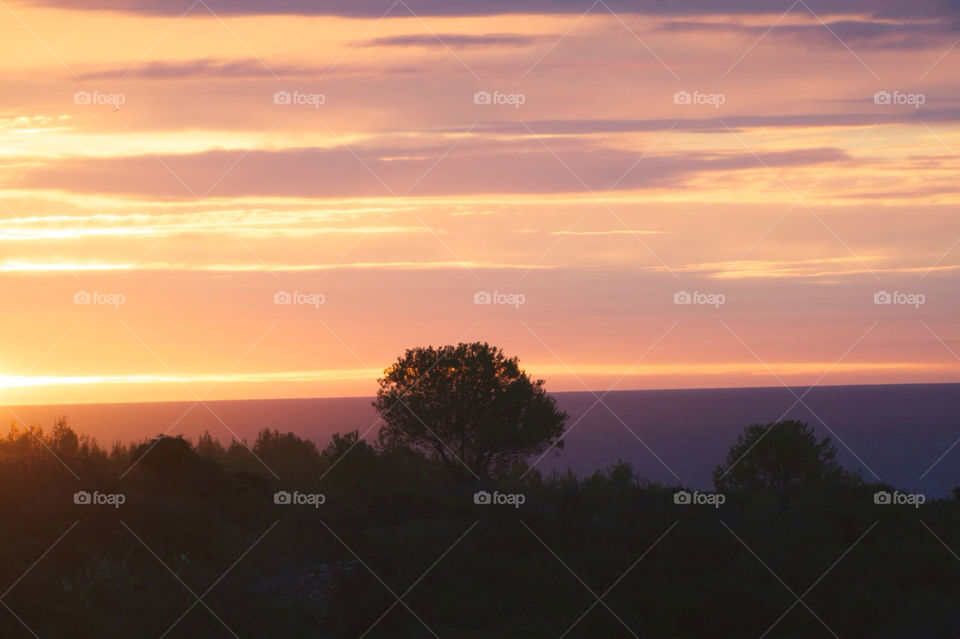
[[779, 456], [469, 407]]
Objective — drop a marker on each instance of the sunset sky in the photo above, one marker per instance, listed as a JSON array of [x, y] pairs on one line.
[[172, 172]]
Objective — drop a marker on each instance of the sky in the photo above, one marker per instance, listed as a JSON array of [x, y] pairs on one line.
[[249, 199]]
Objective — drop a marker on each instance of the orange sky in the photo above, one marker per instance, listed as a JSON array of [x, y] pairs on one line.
[[168, 180]]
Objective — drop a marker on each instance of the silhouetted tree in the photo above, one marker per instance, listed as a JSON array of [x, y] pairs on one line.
[[348, 454], [779, 456], [467, 406], [209, 447], [290, 457], [172, 462]]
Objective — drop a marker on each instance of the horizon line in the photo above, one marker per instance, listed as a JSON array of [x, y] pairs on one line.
[[565, 392]]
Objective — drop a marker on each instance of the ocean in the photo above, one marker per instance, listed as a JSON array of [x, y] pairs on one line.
[[904, 435]]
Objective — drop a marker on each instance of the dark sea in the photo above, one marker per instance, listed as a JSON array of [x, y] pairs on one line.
[[904, 435]]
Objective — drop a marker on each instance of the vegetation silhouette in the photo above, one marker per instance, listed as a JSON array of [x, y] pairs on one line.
[[780, 457], [401, 543], [468, 406]]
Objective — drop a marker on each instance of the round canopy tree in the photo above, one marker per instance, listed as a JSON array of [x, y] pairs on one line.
[[467, 406], [779, 456]]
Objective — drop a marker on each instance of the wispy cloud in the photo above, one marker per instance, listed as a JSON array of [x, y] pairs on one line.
[[476, 166], [862, 34], [17, 266], [251, 224], [203, 68], [372, 9], [458, 40]]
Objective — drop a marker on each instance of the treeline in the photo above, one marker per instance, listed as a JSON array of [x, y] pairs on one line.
[[203, 546]]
